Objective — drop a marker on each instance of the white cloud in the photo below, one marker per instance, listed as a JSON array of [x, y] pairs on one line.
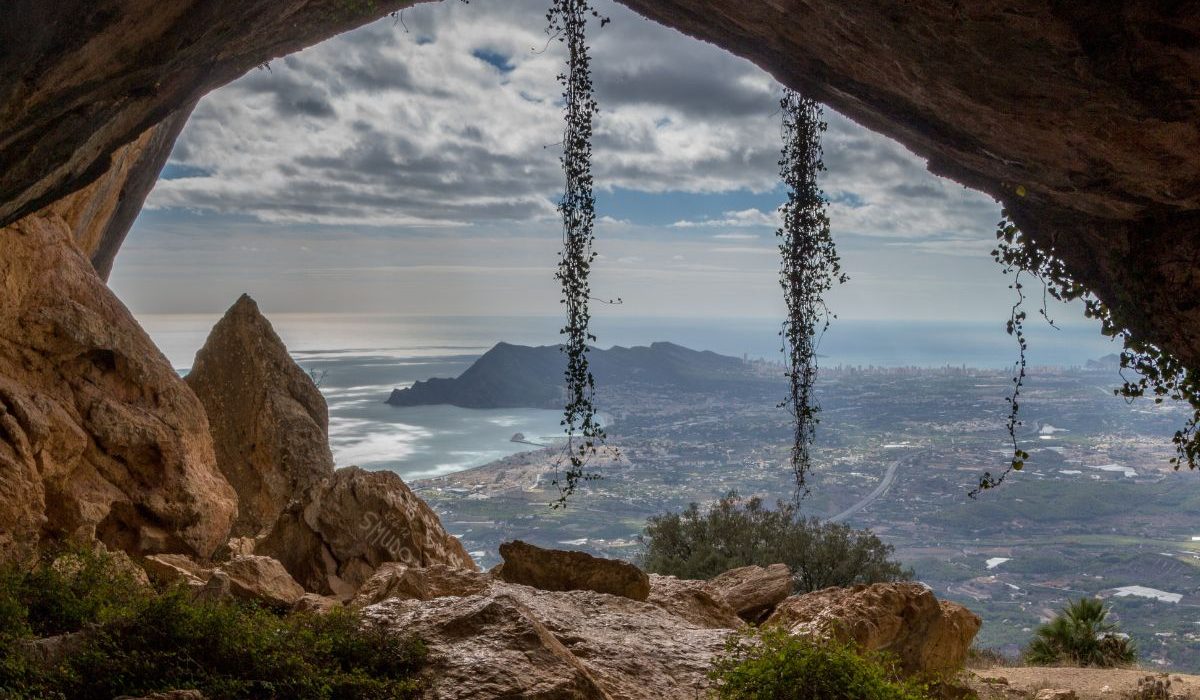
[[745, 217]]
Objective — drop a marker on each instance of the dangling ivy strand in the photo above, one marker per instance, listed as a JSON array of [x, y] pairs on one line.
[[810, 267], [1155, 372], [568, 20]]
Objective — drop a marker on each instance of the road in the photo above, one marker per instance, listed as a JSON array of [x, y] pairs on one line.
[[884, 485]]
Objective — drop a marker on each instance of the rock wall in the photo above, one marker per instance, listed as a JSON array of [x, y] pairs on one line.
[[98, 434]]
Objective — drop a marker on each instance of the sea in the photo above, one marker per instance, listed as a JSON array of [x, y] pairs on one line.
[[357, 359]]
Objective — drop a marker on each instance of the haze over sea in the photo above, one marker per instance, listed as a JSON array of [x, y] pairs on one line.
[[361, 358]]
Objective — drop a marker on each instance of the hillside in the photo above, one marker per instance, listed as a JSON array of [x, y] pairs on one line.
[[520, 376]]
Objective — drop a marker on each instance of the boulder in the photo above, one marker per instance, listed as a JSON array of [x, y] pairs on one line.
[[261, 579], [269, 422], [691, 601], [315, 603], [559, 570], [395, 580], [99, 437], [1055, 694], [334, 537], [904, 619], [514, 641], [168, 569], [752, 591]]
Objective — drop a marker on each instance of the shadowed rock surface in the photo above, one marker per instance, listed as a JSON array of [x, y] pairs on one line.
[[559, 570], [752, 591], [335, 535], [903, 619], [691, 601], [261, 579], [269, 422], [99, 437]]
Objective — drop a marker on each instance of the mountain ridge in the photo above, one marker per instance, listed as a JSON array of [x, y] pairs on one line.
[[524, 376]]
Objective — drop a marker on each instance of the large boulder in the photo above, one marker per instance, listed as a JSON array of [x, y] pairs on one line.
[[691, 601], [334, 537], [904, 619], [752, 591], [515, 641], [99, 437], [261, 579], [269, 422], [559, 570], [396, 580]]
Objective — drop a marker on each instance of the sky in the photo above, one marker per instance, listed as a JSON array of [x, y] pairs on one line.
[[411, 167]]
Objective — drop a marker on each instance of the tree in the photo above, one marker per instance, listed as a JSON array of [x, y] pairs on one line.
[[1080, 636], [737, 532]]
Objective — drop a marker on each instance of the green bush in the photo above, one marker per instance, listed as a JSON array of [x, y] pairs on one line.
[[770, 664], [1081, 636], [738, 532], [65, 590], [138, 641]]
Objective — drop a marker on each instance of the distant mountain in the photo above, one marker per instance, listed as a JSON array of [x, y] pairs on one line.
[[520, 376]]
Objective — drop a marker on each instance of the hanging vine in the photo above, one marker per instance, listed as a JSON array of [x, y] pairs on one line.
[[810, 267], [1146, 369], [568, 20]]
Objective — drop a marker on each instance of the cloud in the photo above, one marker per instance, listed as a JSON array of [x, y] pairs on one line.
[[745, 217], [457, 121]]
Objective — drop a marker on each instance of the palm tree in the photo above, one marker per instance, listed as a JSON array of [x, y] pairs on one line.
[[1080, 636]]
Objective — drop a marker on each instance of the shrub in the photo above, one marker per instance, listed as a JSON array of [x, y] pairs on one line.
[[65, 590], [738, 532], [770, 664], [1080, 636], [138, 642]]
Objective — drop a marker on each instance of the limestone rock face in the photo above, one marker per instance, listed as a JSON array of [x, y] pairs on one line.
[[262, 579], [752, 591], [269, 422], [334, 537], [691, 601], [558, 570], [396, 580], [904, 619], [98, 435], [515, 641]]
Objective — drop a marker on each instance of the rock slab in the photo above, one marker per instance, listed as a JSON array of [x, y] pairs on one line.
[[558, 570], [514, 641]]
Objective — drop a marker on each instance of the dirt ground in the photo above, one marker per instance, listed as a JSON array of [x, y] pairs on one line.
[[1088, 683]]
